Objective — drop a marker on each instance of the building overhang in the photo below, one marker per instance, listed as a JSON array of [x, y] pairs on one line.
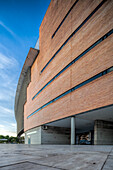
[[85, 121]]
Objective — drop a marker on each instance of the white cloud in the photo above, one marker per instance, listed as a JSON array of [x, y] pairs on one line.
[[7, 62], [5, 110], [11, 32], [8, 29], [13, 124], [1, 126], [7, 91], [6, 95], [7, 132], [3, 47], [10, 129], [9, 67]]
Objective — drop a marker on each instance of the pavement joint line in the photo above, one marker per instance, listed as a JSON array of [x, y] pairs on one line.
[[106, 159], [46, 165], [14, 164], [42, 161]]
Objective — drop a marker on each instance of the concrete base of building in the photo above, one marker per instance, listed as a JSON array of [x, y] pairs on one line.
[[103, 133], [47, 135]]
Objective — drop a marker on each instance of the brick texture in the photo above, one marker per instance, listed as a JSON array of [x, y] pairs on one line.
[[93, 95]]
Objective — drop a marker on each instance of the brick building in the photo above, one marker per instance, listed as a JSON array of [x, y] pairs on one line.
[[65, 90]]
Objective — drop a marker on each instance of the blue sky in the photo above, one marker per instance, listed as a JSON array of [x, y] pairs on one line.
[[19, 30]]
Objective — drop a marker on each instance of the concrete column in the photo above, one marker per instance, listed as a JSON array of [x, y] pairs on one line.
[[72, 130]]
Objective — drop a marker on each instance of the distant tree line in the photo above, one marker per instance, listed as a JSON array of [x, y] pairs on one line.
[[8, 139]]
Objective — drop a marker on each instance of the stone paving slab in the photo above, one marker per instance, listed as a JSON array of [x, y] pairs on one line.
[[109, 163], [11, 158], [64, 157], [75, 161], [26, 166]]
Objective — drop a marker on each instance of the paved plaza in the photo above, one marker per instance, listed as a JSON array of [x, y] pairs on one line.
[[54, 157]]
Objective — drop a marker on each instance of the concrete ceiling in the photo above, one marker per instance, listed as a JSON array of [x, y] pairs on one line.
[[85, 121]]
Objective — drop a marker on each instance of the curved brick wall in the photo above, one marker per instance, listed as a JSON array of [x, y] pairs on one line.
[[73, 71]]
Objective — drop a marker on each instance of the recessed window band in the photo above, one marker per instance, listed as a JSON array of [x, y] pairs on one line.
[[74, 33], [73, 89], [65, 18], [72, 62]]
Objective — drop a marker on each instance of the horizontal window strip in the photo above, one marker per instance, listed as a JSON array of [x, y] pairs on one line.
[[77, 58], [64, 18], [73, 89], [74, 33]]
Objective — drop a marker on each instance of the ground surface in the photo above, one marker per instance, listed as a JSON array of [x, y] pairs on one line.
[[54, 157]]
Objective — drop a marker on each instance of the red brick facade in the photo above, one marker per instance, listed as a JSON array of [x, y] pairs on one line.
[[95, 94]]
